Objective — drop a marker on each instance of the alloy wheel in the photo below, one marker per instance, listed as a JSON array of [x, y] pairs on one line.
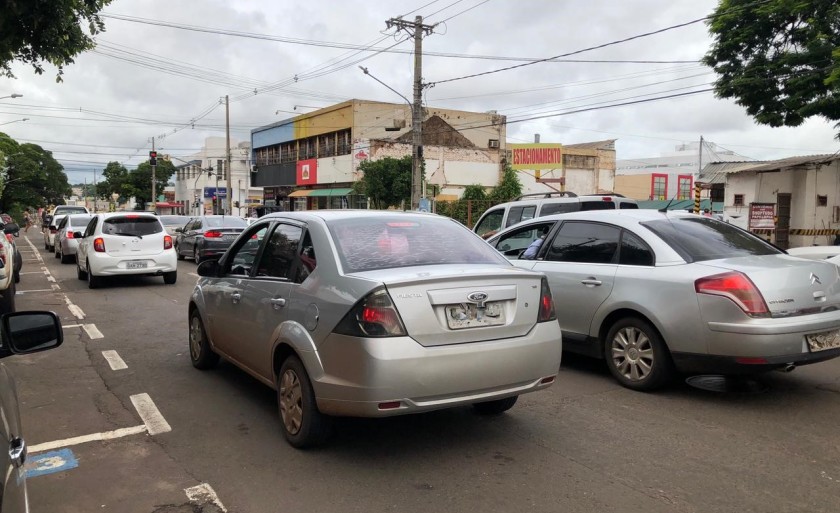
[[196, 337], [632, 353], [291, 403]]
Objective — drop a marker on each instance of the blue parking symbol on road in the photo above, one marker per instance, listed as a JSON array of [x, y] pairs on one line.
[[50, 463]]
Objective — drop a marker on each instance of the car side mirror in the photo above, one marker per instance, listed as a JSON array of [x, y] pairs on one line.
[[30, 332], [179, 230], [78, 235], [12, 228], [208, 268]]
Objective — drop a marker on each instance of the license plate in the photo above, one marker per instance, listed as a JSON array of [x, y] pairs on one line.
[[136, 264], [469, 315], [229, 237], [823, 341]]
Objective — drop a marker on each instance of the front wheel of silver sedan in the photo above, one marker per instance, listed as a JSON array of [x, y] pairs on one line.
[[303, 425], [202, 355], [637, 356]]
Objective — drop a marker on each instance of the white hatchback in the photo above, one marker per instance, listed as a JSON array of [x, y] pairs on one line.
[[124, 243]]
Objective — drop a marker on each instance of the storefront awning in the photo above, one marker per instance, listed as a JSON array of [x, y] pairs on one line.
[[301, 193], [330, 192]]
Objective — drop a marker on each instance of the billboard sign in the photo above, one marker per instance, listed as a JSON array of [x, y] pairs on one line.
[[220, 192], [307, 172], [762, 216], [536, 156]]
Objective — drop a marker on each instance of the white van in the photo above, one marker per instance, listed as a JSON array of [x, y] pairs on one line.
[[530, 206]]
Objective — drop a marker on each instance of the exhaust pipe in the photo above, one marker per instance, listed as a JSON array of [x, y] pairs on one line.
[[787, 367]]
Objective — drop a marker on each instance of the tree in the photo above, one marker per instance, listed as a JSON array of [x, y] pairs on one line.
[[29, 177], [474, 192], [35, 31], [115, 180], [387, 182], [140, 181], [779, 58], [509, 186]]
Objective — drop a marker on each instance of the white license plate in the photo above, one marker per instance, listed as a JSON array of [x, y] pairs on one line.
[[229, 237], [468, 315], [136, 264], [823, 341]]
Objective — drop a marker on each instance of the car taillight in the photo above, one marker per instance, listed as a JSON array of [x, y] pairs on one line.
[[373, 316], [736, 287], [69, 234], [546, 304], [212, 234], [167, 242], [99, 245]]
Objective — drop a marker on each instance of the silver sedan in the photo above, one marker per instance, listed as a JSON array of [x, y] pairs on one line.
[[363, 313], [654, 292]]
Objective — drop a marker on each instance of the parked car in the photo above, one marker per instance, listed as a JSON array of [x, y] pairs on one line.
[[51, 230], [373, 314], [69, 209], [172, 222], [122, 243], [815, 252], [65, 242], [208, 236], [530, 206], [7, 271], [653, 292], [22, 333]]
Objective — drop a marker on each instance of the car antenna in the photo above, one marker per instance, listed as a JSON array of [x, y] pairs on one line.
[[665, 208]]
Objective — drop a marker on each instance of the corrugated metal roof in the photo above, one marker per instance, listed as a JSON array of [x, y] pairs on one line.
[[607, 144], [715, 172]]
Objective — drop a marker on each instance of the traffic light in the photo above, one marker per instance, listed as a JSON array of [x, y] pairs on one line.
[[152, 158]]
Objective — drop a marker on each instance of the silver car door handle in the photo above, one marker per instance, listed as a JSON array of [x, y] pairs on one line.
[[235, 297], [278, 303], [591, 281], [17, 452]]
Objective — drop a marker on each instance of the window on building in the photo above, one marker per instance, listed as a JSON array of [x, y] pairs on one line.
[[739, 200], [344, 144], [288, 152], [822, 201], [685, 185], [659, 187]]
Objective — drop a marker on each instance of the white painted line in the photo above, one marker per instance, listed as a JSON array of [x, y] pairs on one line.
[[30, 272], [107, 435], [92, 331], [114, 360], [203, 494], [34, 290], [193, 274], [56, 287], [51, 279], [76, 311], [71, 326], [151, 416]]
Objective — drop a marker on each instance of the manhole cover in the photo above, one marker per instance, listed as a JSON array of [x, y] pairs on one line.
[[726, 384]]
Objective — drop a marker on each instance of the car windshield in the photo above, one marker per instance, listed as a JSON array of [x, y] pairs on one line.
[[368, 244], [700, 238], [174, 220], [131, 225], [78, 220], [225, 222]]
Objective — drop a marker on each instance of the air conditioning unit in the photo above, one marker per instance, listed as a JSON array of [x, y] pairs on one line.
[[493, 143]]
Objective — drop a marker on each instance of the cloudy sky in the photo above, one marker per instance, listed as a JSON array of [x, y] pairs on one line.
[[152, 77]]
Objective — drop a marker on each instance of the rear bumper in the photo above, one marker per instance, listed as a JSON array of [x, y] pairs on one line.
[[690, 363], [359, 374], [69, 246], [118, 266], [213, 249]]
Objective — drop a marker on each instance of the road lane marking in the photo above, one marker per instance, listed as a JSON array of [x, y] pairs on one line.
[[151, 416], [76, 440], [203, 494], [50, 278], [114, 360], [35, 290], [75, 310], [92, 331], [56, 287], [50, 463], [193, 274], [30, 272], [71, 326]]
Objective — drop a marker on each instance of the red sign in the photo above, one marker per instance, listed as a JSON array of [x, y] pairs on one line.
[[762, 216], [307, 172]]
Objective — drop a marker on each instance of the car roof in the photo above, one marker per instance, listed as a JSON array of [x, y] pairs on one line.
[[331, 215], [620, 217], [108, 215]]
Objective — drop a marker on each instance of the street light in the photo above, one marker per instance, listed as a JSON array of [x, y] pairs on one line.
[[15, 121], [13, 95]]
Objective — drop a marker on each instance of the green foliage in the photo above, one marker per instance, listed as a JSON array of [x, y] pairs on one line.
[[474, 192], [780, 59], [387, 182], [37, 31], [29, 177], [136, 183], [465, 211], [509, 186]]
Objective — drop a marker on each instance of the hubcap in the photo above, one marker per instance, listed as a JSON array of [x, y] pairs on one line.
[[195, 338], [632, 353], [291, 402]]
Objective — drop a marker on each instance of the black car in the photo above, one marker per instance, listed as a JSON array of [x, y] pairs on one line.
[[207, 237]]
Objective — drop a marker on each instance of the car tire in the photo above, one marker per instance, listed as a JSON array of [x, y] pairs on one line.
[[58, 252], [170, 278], [496, 407], [65, 259], [202, 355], [82, 275], [178, 252], [17, 276], [93, 281], [637, 356], [303, 425], [196, 257], [7, 302]]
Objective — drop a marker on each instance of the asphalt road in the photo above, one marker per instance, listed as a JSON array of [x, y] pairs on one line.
[[584, 445]]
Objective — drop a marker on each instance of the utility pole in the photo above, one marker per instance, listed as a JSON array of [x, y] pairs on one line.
[[153, 163], [229, 198], [417, 29]]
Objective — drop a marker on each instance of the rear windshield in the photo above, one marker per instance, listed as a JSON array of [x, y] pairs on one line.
[[368, 244], [597, 205], [174, 220], [131, 225], [77, 220], [702, 238], [225, 222], [70, 210]]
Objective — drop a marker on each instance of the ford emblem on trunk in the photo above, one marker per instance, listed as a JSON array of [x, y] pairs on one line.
[[477, 297]]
